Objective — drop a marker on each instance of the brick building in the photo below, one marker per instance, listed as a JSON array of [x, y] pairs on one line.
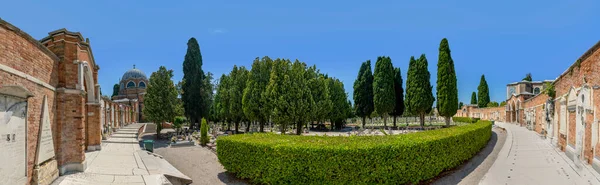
[[132, 88], [51, 111], [569, 119]]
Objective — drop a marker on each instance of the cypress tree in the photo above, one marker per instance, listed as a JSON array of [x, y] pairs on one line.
[[339, 101], [275, 90], [447, 92], [419, 97], [528, 77], [115, 90], [399, 94], [384, 99], [193, 98], [238, 84], [473, 98], [254, 103], [460, 105], [363, 92], [223, 100], [483, 93]]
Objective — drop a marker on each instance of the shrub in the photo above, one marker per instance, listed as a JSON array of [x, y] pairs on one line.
[[394, 159], [204, 133], [465, 119]]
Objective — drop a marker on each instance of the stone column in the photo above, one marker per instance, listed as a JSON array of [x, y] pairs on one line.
[[94, 132]]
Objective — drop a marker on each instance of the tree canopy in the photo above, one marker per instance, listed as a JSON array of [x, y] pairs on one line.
[[474, 98], [447, 91], [196, 99], [161, 97], [384, 98], [483, 93], [363, 92], [528, 77], [419, 97], [399, 94]]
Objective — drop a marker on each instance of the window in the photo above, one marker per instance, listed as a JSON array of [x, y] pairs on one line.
[[536, 91], [130, 84], [142, 85]]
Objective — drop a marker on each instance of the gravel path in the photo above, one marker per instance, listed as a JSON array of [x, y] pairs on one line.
[[198, 163], [473, 171]]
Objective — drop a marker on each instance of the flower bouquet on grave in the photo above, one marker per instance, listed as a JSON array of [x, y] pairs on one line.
[[174, 139]]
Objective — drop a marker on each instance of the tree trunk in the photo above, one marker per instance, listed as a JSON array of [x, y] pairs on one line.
[[248, 127], [364, 118], [394, 121], [229, 125], [384, 122], [447, 121], [332, 124], [422, 117], [299, 128], [237, 126], [282, 129], [262, 126]]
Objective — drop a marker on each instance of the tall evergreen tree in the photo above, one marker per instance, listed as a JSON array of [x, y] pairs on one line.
[[528, 77], [320, 93], [115, 90], [447, 91], [254, 100], [460, 105], [193, 96], [384, 98], [222, 100], [474, 98], [363, 92], [419, 96], [483, 93], [399, 94], [161, 98], [238, 81], [339, 99], [275, 90]]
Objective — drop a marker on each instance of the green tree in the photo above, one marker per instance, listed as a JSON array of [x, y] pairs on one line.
[[222, 100], [460, 105], [339, 99], [160, 99], [363, 92], [319, 90], [503, 103], [493, 104], [383, 88], [528, 77], [447, 91], [239, 78], [254, 101], [207, 95], [399, 94], [115, 90], [275, 92], [483, 93], [419, 96], [193, 96], [204, 133], [474, 98]]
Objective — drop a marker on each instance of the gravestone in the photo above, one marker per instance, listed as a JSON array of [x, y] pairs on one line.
[[46, 169], [45, 142]]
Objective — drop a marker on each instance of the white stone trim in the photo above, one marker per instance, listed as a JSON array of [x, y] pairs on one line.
[[72, 167], [70, 91], [26, 76]]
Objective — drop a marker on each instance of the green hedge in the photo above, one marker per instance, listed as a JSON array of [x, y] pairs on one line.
[[465, 119], [395, 159]]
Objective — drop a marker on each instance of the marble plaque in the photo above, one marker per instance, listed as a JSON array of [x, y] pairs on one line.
[[13, 114], [45, 142]]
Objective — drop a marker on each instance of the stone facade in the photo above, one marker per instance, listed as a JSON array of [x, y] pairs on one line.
[[61, 67], [569, 120], [132, 88]]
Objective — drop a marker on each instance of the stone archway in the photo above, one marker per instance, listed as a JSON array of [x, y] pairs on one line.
[[92, 125]]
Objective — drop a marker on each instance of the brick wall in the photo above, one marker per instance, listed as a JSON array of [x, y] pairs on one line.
[[21, 52]]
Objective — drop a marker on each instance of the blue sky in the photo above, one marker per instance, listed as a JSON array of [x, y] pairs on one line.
[[502, 39]]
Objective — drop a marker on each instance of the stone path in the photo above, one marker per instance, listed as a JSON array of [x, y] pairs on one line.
[[526, 158], [121, 161]]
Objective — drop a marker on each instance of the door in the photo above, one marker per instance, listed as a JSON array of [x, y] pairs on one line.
[[13, 124]]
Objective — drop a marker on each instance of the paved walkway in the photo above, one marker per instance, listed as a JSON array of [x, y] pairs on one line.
[[526, 158], [121, 161]]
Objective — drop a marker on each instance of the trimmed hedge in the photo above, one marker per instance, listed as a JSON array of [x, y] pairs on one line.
[[395, 159], [465, 119]]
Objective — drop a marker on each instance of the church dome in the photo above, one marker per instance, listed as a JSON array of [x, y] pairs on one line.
[[134, 74]]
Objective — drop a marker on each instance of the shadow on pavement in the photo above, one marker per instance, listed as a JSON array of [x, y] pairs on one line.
[[158, 143], [229, 178], [456, 175]]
